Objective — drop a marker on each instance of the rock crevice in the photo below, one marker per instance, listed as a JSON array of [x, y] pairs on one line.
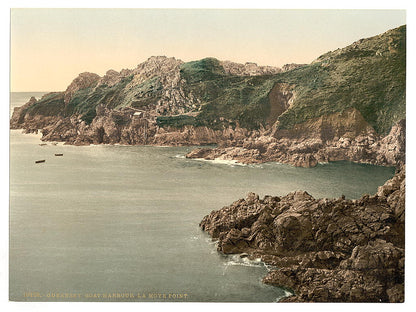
[[327, 250], [313, 144]]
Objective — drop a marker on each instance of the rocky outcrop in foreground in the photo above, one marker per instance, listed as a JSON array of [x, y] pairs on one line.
[[324, 250]]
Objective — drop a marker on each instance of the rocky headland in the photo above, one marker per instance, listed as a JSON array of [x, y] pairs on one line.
[[349, 104], [324, 250], [129, 107]]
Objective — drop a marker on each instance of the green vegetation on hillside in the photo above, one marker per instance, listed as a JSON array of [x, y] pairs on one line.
[[236, 99], [369, 75], [85, 101], [51, 104], [202, 70], [175, 121]]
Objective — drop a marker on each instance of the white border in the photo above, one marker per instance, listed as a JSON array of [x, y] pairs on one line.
[[317, 4], [259, 4]]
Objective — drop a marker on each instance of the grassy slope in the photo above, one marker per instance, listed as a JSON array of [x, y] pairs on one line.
[[369, 75], [353, 77], [50, 105], [85, 101], [242, 99]]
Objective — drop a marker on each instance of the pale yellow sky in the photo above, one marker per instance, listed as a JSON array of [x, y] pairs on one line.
[[50, 47]]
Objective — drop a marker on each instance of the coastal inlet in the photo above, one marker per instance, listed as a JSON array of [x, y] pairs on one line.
[[105, 218]]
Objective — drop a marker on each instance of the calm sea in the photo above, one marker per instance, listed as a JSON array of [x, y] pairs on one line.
[[123, 220]]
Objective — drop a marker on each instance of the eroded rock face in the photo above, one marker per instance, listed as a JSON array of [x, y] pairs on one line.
[[248, 69], [393, 146], [280, 99], [327, 250], [166, 71], [18, 114], [351, 138], [128, 127], [157, 90], [113, 77], [357, 142], [83, 81], [291, 66]]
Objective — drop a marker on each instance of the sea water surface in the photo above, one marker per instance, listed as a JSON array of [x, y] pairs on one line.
[[124, 220]]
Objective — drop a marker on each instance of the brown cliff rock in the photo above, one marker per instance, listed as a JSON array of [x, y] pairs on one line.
[[248, 69], [356, 142], [327, 250], [291, 66], [280, 98], [124, 126], [84, 80], [18, 114]]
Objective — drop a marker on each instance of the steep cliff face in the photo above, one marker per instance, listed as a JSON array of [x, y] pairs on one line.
[[315, 141], [327, 250], [349, 104], [129, 127], [336, 108], [83, 81], [160, 87], [281, 97], [18, 117], [368, 75], [32, 117]]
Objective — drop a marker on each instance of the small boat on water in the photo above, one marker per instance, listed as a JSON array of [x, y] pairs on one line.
[[40, 161], [42, 144], [59, 154]]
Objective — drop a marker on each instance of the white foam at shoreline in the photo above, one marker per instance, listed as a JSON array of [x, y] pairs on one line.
[[287, 293], [217, 161], [245, 261]]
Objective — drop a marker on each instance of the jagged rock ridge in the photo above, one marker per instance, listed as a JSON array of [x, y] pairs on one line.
[[342, 106], [327, 250]]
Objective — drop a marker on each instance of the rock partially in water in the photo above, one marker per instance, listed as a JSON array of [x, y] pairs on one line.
[[327, 250], [310, 144]]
